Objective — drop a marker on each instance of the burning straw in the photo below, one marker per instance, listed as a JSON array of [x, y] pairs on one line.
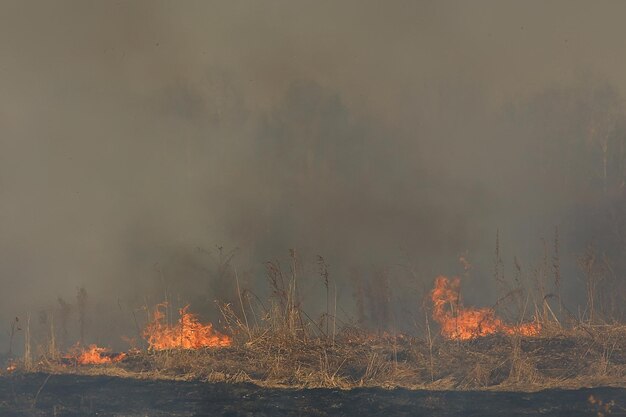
[[461, 323]]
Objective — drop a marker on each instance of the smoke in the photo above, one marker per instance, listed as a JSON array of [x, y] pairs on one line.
[[138, 137]]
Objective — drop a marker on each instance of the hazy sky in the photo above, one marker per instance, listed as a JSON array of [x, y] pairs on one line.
[[134, 132]]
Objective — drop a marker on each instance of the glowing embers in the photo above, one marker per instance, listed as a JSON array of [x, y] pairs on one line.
[[460, 323], [92, 355], [11, 366], [188, 333]]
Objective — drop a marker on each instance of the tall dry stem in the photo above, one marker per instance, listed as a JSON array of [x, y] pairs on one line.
[[28, 357]]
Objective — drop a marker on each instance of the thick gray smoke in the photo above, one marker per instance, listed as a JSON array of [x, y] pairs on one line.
[[138, 137]]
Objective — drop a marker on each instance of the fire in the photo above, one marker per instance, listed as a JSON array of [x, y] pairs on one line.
[[464, 261], [460, 323], [188, 333], [93, 355]]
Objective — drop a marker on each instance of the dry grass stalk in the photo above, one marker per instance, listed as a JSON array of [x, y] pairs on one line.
[[81, 302], [14, 328], [594, 272], [28, 357]]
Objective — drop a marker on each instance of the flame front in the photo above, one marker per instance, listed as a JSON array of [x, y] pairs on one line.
[[459, 323], [188, 333], [93, 355]]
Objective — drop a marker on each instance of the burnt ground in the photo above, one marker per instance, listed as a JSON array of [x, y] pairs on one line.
[[80, 395]]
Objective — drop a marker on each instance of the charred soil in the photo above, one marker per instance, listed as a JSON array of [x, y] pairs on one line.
[[80, 395]]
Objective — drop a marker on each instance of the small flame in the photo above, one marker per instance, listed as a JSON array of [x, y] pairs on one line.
[[460, 323], [188, 333], [464, 261], [92, 355]]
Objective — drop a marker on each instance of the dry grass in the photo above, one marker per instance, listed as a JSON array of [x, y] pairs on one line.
[[277, 344], [582, 356]]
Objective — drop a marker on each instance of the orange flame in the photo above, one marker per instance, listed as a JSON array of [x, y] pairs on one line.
[[461, 323], [188, 333], [92, 355]]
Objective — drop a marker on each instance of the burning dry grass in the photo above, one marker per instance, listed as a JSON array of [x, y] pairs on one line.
[[280, 346], [188, 333], [582, 356], [458, 322], [92, 355]]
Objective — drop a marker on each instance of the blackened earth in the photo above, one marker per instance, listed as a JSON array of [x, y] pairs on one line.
[[75, 395]]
